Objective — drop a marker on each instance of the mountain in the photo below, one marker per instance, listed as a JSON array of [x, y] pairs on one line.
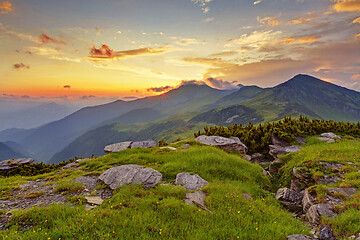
[[50, 138], [33, 116], [6, 152]]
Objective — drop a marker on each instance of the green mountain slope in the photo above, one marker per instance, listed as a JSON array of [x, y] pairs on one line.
[[6, 152]]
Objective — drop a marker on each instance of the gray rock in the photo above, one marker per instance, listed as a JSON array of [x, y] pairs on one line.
[[247, 157], [170, 148], [316, 211], [70, 165], [117, 177], [295, 185], [257, 157], [143, 144], [299, 237], [326, 233], [14, 163], [330, 135], [308, 201], [247, 196], [301, 140], [190, 181], [276, 150], [90, 182], [117, 147], [222, 142], [196, 198], [325, 139], [94, 200], [290, 199], [348, 192], [82, 160], [277, 141], [186, 145]]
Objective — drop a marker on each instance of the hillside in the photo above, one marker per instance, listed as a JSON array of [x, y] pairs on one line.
[[6, 152]]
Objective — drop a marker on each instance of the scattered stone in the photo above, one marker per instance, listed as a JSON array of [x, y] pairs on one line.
[[257, 157], [117, 147], [70, 165], [82, 160], [222, 142], [316, 211], [190, 181], [247, 157], [301, 140], [185, 145], [325, 139], [94, 200], [276, 150], [170, 148], [299, 237], [300, 174], [295, 185], [326, 233], [330, 135], [89, 207], [196, 198], [347, 192], [290, 199], [90, 182], [247, 196], [143, 144], [14, 163], [308, 200], [131, 174]]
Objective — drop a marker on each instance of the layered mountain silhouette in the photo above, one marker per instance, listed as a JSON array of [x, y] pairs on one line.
[[180, 112]]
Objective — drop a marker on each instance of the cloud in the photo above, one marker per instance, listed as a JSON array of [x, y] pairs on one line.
[[270, 21], [106, 53], [256, 39], [257, 2], [220, 84], [189, 41], [98, 31], [28, 52], [23, 36], [300, 20], [6, 7], [159, 89], [203, 4], [302, 40], [209, 19], [347, 6], [44, 38], [357, 20], [224, 54], [20, 66], [67, 86], [87, 96]]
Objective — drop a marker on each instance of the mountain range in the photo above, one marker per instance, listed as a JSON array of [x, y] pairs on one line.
[[181, 112]]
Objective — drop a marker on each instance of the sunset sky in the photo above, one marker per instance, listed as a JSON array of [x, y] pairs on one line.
[[133, 48]]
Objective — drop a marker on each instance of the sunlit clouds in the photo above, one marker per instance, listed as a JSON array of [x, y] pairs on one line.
[[6, 7]]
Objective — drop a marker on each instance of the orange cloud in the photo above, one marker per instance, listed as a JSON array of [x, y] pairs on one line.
[[20, 66], [357, 20], [300, 21], [46, 39], [271, 21], [303, 40], [224, 54], [105, 52], [6, 7], [347, 6]]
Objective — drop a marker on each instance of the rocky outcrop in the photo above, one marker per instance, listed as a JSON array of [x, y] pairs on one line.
[[329, 137], [117, 177], [190, 181], [15, 163], [276, 150], [299, 237], [290, 199], [232, 143], [317, 211], [121, 146], [257, 158]]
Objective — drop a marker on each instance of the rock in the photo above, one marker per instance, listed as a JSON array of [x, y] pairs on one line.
[[14, 163], [190, 181], [222, 142], [295, 185], [308, 201], [300, 174], [326, 233], [117, 147], [301, 140], [170, 148], [70, 165], [185, 145], [276, 150], [247, 196], [143, 144], [277, 141], [116, 177], [299, 237], [330, 135], [89, 207], [257, 157], [247, 157], [94, 200], [82, 160], [196, 198], [90, 182], [348, 192], [290, 199], [325, 139], [316, 211]]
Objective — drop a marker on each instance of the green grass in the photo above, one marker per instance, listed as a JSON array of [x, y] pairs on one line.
[[160, 213]]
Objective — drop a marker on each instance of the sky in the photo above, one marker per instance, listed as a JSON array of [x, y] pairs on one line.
[[98, 50]]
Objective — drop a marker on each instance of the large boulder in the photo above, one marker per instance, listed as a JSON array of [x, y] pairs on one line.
[[117, 177], [14, 163], [276, 150], [316, 211], [290, 199], [232, 143], [117, 147], [190, 181], [143, 144], [325, 139], [330, 135]]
